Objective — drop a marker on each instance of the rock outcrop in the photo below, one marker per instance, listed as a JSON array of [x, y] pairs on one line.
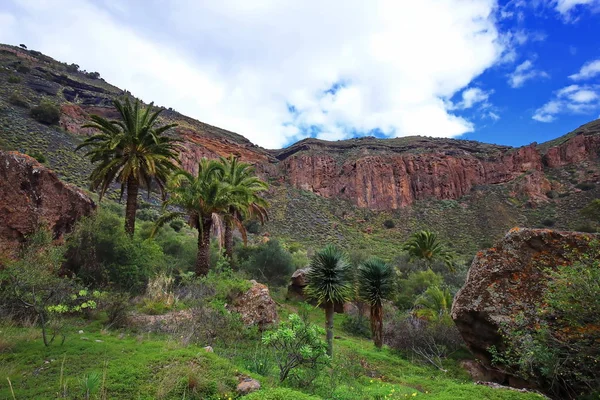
[[31, 195], [256, 307], [297, 284], [505, 284]]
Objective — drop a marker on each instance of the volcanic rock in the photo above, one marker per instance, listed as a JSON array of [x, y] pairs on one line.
[[505, 284], [256, 306], [31, 195]]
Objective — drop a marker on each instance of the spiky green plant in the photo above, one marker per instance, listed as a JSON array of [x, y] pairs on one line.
[[426, 246], [203, 198], [132, 151], [329, 282], [375, 280], [247, 187]]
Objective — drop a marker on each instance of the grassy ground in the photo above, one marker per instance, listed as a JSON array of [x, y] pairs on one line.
[[130, 365]]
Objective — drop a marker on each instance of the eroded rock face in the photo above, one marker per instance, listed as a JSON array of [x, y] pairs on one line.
[[506, 283], [32, 195], [256, 306]]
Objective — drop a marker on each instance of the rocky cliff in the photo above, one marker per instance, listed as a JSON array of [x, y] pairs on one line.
[[31, 196]]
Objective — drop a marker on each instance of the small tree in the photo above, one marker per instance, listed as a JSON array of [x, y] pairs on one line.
[[47, 113], [375, 281], [329, 282], [297, 344]]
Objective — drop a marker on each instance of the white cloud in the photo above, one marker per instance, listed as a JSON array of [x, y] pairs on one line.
[[471, 97], [589, 70], [239, 65], [523, 73], [566, 6], [573, 99], [492, 115]]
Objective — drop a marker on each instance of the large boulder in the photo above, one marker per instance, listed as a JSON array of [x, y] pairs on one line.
[[32, 195], [256, 306], [505, 285], [298, 284]]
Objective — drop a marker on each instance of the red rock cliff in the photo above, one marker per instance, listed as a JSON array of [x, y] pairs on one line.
[[31, 195]]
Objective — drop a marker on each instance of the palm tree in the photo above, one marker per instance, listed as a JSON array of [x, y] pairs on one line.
[[434, 304], [203, 198], [247, 187], [329, 282], [424, 245], [375, 281], [132, 151]]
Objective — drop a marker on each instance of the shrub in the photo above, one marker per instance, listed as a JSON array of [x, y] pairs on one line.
[[177, 224], [552, 194], [586, 227], [23, 69], [252, 226], [47, 113], [389, 224], [17, 100], [548, 222], [14, 79], [356, 324], [115, 305], [99, 252], [38, 155], [414, 285], [585, 186], [279, 394], [268, 262], [297, 345], [429, 341]]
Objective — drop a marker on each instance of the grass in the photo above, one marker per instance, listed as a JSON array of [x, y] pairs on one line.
[[130, 365]]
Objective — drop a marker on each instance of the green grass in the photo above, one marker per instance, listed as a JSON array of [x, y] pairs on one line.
[[147, 366]]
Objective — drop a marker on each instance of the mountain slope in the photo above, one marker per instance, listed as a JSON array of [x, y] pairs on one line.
[[340, 192]]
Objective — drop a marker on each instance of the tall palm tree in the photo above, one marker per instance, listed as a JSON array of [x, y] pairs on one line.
[[375, 281], [425, 245], [203, 198], [133, 151], [247, 187], [329, 282], [434, 303]]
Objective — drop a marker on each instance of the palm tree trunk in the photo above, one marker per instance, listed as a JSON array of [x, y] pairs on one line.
[[203, 258], [329, 308], [133, 188], [377, 324], [229, 240]]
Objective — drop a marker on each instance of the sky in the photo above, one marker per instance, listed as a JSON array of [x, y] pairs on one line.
[[505, 72]]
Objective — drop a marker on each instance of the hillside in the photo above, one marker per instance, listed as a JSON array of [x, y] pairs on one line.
[[344, 191]]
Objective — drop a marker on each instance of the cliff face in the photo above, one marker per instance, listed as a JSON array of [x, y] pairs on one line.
[[32, 195], [390, 180]]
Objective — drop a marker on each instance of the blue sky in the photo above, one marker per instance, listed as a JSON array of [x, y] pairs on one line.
[[507, 72]]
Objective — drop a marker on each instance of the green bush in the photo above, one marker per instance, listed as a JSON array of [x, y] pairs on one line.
[[552, 194], [268, 262], [252, 226], [415, 284], [99, 252], [47, 113], [356, 324], [17, 100], [585, 186], [38, 155], [23, 69], [389, 224], [297, 345], [548, 222], [14, 79]]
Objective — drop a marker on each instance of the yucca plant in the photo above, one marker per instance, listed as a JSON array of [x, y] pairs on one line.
[[426, 246], [375, 280], [132, 151], [329, 282]]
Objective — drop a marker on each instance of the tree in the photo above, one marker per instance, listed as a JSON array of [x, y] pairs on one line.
[[592, 210], [203, 197], [425, 245], [375, 281], [132, 151], [434, 304], [328, 282], [247, 187]]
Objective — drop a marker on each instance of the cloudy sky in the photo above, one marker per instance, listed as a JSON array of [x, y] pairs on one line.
[[509, 72]]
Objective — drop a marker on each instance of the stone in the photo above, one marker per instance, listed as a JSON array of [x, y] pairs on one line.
[[297, 284], [248, 385], [32, 195], [505, 285], [256, 306], [208, 349]]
